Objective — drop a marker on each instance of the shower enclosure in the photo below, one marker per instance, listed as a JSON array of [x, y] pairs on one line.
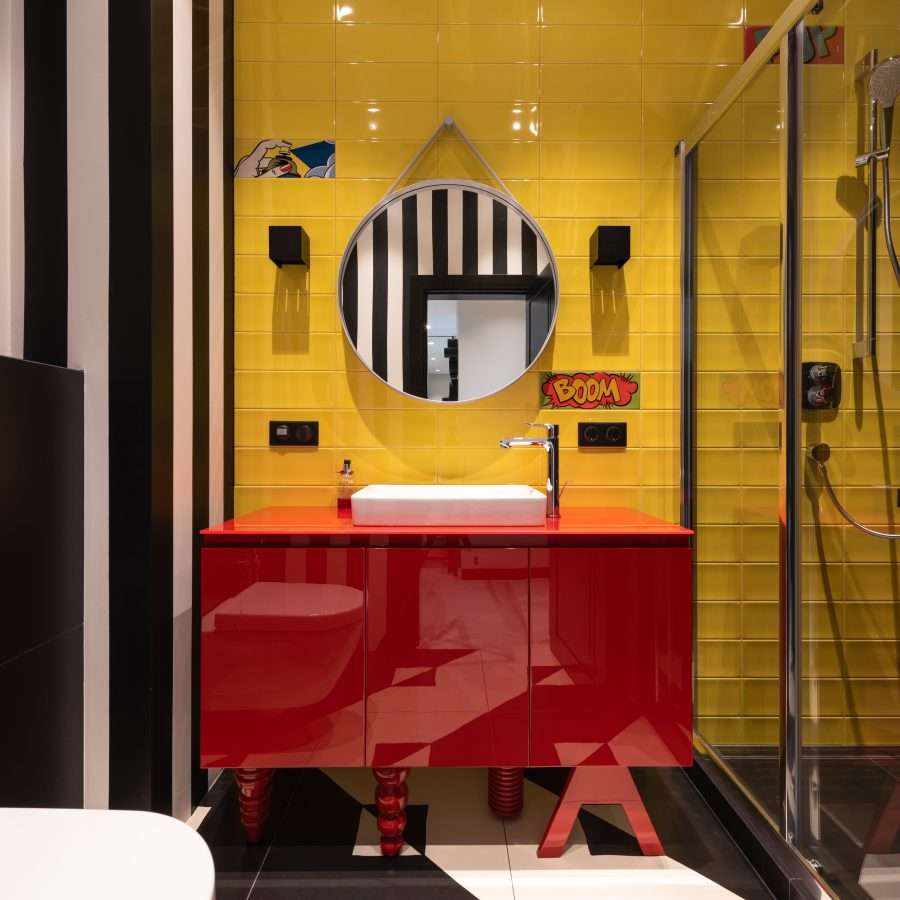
[[791, 437]]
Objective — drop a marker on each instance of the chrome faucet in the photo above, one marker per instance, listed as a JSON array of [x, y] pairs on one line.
[[551, 445]]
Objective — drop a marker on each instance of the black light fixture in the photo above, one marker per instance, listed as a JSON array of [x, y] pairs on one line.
[[288, 245], [611, 245]]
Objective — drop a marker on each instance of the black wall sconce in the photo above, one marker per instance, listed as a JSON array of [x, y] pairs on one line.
[[611, 245], [288, 245]]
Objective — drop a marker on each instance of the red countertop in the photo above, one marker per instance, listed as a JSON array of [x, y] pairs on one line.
[[321, 526]]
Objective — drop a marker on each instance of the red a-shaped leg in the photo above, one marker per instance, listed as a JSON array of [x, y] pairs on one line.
[[599, 785], [255, 796], [391, 795]]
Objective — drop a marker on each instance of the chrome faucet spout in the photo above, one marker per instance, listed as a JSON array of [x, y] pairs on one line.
[[551, 445]]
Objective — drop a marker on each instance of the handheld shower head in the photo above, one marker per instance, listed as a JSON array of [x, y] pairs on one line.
[[884, 86]]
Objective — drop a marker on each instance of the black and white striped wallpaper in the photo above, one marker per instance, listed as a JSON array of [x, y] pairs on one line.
[[126, 279], [435, 229]]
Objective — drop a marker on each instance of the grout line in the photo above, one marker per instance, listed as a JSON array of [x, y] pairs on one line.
[[512, 881]]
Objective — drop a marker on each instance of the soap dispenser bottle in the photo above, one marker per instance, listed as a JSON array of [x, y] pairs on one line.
[[345, 489]]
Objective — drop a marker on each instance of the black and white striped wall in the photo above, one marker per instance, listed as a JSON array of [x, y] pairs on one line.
[[113, 224], [442, 230]]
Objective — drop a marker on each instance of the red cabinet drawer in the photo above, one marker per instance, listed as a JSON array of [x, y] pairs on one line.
[[611, 656], [447, 657], [282, 657]]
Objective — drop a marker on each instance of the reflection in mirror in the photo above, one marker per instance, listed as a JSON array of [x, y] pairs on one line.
[[448, 291]]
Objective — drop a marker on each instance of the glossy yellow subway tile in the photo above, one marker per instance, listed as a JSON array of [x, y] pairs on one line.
[[881, 732], [384, 120], [719, 659], [509, 159], [399, 12], [692, 44], [283, 11], [760, 658], [356, 197], [718, 543], [719, 697], [719, 505], [760, 697], [380, 428], [295, 466], [490, 465], [590, 199], [392, 465], [278, 80], [590, 12], [286, 313], [697, 12], [259, 275], [383, 159], [280, 197], [287, 351], [716, 581], [590, 44], [288, 120], [718, 621], [385, 81], [586, 467], [488, 81], [283, 42], [489, 44], [248, 499], [688, 83], [500, 12], [586, 81], [607, 121], [596, 159], [386, 43]]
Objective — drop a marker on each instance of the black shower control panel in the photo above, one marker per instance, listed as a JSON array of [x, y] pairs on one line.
[[293, 434], [602, 434], [821, 385]]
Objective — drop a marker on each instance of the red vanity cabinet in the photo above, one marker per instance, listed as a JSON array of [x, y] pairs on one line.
[[281, 657], [447, 657], [611, 656], [324, 643]]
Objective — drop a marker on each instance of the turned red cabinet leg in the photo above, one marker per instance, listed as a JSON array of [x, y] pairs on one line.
[[391, 794], [506, 788], [255, 795], [599, 785]]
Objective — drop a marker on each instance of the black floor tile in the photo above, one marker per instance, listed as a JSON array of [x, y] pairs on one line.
[[312, 854], [237, 862]]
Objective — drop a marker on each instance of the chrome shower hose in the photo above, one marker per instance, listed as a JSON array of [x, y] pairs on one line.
[[819, 454]]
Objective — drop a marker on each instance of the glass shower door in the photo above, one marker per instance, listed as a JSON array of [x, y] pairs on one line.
[[738, 363], [850, 771]]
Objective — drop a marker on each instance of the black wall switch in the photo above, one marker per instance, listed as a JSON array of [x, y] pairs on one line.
[[611, 245], [293, 434], [602, 434], [288, 245]]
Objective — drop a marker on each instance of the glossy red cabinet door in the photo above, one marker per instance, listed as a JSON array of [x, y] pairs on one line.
[[281, 657], [447, 657], [611, 656]]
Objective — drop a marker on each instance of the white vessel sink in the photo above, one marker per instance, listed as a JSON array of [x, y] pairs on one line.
[[448, 504]]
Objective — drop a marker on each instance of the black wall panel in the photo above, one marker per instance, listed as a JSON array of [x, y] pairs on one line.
[[41, 553]]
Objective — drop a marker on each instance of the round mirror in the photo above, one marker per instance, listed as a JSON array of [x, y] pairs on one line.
[[448, 291]]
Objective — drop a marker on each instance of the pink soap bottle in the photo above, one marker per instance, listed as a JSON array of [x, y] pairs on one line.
[[345, 489]]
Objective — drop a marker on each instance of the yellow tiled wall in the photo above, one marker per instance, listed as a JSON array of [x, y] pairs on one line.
[[851, 689], [851, 581], [577, 105]]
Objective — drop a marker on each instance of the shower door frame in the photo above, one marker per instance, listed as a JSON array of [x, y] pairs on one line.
[[785, 37]]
